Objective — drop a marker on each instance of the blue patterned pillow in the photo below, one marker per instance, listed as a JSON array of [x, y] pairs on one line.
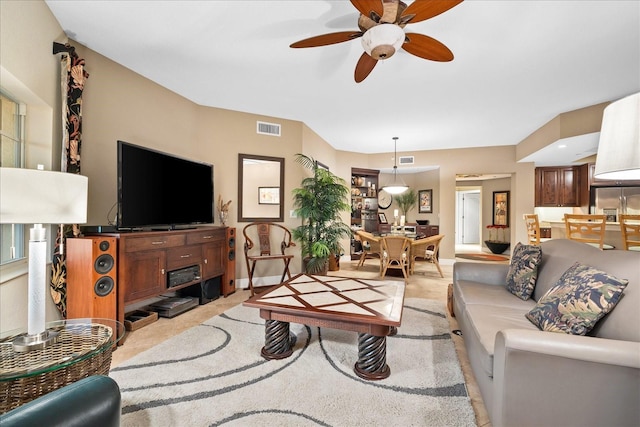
[[523, 272], [581, 297]]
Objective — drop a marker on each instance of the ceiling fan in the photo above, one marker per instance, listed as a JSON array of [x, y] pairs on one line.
[[381, 24]]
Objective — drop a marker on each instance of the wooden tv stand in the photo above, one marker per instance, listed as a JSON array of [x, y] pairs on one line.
[[145, 259]]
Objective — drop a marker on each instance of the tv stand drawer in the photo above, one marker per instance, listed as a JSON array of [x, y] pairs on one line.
[[184, 256], [150, 243]]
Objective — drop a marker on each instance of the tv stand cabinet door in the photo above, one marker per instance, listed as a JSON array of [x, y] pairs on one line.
[[214, 259], [144, 275]]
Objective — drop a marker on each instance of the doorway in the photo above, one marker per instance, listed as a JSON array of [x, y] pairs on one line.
[[468, 220]]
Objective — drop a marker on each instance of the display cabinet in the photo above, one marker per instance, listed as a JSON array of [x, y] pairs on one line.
[[364, 203]]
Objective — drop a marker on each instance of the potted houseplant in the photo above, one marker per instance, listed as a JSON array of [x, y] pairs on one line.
[[406, 201], [319, 201]]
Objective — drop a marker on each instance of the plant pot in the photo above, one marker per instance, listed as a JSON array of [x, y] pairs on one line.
[[319, 270], [497, 247], [334, 262]]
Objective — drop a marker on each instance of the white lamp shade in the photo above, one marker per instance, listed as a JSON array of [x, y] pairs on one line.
[[30, 196], [619, 147]]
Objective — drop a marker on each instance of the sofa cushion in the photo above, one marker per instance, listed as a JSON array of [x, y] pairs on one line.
[[469, 292], [582, 296], [523, 271], [484, 323]]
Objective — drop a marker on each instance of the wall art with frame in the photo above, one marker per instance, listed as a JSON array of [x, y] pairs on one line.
[[268, 195], [425, 201], [501, 208]]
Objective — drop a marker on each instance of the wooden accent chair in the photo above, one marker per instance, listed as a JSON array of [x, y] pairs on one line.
[[533, 229], [395, 254], [266, 232], [370, 247], [588, 229], [426, 250], [630, 230]]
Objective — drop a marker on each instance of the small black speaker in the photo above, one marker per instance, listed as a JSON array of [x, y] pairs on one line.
[[206, 291]]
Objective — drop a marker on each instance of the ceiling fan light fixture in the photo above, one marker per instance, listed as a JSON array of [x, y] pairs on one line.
[[383, 40]]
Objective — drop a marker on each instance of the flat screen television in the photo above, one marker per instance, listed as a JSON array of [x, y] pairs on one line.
[[160, 190]]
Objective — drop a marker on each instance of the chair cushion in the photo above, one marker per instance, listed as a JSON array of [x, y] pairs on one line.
[[523, 271], [582, 296]]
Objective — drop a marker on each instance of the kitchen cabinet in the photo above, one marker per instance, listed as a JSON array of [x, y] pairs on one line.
[[558, 186]]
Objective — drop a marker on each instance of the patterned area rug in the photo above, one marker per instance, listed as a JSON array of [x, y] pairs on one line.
[[213, 375], [483, 257]]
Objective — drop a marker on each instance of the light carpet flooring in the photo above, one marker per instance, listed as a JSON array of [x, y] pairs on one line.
[[425, 283]]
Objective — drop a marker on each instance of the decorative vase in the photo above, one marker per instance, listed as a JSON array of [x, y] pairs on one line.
[[224, 216], [496, 247]]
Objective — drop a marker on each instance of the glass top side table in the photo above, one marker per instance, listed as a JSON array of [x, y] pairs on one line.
[[83, 348]]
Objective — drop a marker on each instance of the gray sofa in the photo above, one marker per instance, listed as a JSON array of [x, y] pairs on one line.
[[528, 377]]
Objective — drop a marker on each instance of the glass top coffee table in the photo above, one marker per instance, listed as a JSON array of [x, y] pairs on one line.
[[373, 308], [82, 348]]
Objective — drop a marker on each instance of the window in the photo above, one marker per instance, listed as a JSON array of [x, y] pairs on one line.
[[11, 155]]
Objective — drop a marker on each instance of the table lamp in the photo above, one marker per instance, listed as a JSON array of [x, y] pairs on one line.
[[39, 197]]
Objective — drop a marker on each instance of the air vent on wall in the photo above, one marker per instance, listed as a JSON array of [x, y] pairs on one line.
[[265, 128], [405, 160]]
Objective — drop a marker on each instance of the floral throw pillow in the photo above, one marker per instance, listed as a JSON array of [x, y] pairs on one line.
[[581, 297], [523, 271]]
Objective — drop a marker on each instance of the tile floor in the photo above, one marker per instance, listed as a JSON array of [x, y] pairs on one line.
[[425, 283]]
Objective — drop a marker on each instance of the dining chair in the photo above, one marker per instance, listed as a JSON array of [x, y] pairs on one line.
[[395, 254], [533, 229], [588, 229], [630, 230], [426, 250], [370, 247]]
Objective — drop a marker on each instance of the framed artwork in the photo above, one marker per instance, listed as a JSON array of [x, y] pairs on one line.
[[501, 208], [425, 200], [269, 195], [611, 214], [382, 218]]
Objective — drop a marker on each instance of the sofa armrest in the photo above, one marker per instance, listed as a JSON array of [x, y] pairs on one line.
[[546, 378], [91, 401], [490, 274]]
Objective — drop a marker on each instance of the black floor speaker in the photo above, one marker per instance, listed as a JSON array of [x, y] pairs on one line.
[[206, 291]]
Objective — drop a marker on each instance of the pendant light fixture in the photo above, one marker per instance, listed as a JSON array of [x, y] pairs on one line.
[[396, 186]]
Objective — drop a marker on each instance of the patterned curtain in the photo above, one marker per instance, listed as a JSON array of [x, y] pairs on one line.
[[73, 77]]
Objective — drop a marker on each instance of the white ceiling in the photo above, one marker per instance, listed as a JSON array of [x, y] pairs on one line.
[[517, 65]]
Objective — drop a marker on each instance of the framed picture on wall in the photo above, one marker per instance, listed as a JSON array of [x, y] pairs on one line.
[[382, 218], [269, 195], [425, 200], [501, 208]]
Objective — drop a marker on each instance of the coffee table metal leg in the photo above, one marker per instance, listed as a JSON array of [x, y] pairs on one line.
[[372, 357], [278, 342]]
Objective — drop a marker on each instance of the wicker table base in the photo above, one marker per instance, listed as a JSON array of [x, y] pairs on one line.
[[83, 349]]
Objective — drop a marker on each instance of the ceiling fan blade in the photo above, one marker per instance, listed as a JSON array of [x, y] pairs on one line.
[[364, 67], [426, 47], [327, 39], [425, 9], [367, 6]]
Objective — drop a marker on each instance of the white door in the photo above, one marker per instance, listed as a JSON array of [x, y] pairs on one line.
[[468, 218]]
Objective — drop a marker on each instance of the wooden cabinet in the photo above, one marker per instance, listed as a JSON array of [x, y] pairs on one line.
[[427, 230], [558, 186], [145, 260]]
